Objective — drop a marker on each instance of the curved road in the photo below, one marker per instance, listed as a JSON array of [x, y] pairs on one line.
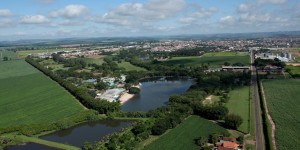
[[258, 125]]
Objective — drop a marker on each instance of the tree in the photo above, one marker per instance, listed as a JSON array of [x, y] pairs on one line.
[[213, 138], [134, 90], [233, 121], [201, 141], [5, 58], [102, 85], [226, 63]]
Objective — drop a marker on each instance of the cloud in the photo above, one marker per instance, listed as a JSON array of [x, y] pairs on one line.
[[70, 11], [44, 2], [272, 1], [37, 19], [7, 23], [227, 20], [204, 13], [71, 23], [247, 7], [5, 13], [150, 11]]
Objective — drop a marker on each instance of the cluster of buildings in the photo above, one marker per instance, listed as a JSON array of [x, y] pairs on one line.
[[116, 88], [284, 56]]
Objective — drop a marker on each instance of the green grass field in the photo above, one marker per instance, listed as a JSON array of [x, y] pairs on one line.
[[224, 54], [27, 52], [295, 70], [215, 60], [284, 106], [129, 67], [98, 61], [9, 54], [182, 137], [239, 104], [297, 59], [28, 96]]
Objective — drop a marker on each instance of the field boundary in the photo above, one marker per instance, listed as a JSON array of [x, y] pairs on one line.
[[273, 127], [265, 120]]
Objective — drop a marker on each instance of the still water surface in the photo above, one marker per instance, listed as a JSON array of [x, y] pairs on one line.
[[155, 92], [90, 132]]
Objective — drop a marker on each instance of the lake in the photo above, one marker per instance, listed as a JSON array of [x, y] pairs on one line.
[[155, 92], [91, 132]]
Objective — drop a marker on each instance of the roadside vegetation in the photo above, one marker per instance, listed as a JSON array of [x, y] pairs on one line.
[[282, 99]]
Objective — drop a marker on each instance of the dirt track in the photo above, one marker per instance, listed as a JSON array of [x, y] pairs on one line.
[[273, 128]]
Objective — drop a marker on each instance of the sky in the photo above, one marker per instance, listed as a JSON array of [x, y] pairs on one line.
[[49, 19]]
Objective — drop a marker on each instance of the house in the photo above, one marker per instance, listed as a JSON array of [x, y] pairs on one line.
[[235, 68], [227, 143]]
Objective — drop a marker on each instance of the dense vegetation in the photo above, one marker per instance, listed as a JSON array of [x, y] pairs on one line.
[[27, 96], [283, 100]]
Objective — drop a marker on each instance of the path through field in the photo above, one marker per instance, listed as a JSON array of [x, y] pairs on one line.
[[269, 117]]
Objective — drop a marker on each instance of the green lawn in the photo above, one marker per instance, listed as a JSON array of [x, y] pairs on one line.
[[239, 104], [284, 106], [9, 54], [215, 60], [98, 61], [28, 96], [129, 67], [295, 70], [182, 137], [297, 59], [27, 52]]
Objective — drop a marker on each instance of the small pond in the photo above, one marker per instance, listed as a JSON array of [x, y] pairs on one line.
[[90, 132]]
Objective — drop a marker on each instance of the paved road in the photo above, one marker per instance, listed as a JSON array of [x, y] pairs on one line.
[[258, 125]]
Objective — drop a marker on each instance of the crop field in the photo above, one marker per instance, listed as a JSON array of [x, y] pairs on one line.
[[128, 66], [27, 96], [182, 137], [9, 54], [283, 103], [27, 52], [239, 104], [211, 61]]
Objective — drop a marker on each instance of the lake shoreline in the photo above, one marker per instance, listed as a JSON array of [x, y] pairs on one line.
[[126, 96]]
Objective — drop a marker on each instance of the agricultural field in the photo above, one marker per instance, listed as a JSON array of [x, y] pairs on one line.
[[213, 60], [28, 96], [239, 104], [27, 52], [129, 67], [9, 54], [282, 98], [182, 137]]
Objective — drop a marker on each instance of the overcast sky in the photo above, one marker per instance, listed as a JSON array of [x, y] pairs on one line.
[[27, 19]]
